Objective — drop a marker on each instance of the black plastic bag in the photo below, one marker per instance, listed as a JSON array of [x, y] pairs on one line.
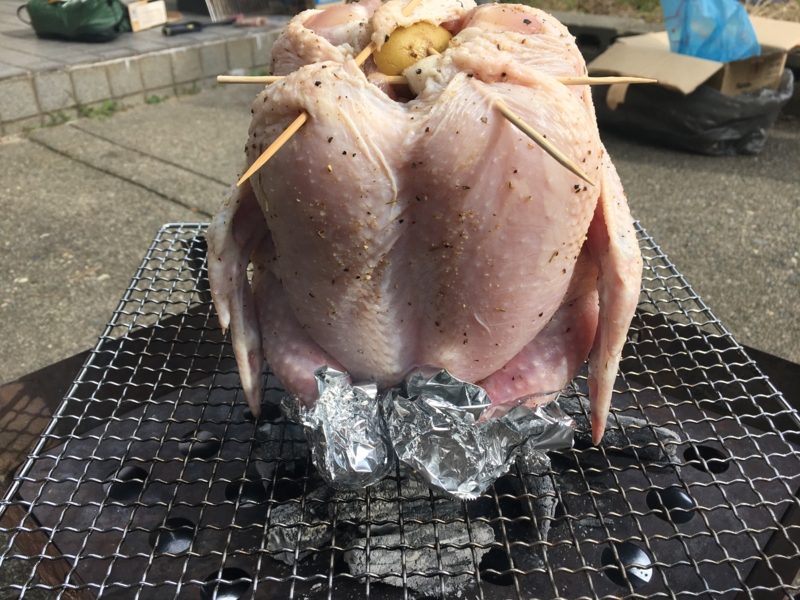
[[706, 121]]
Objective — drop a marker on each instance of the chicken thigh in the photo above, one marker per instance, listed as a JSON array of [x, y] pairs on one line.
[[393, 233]]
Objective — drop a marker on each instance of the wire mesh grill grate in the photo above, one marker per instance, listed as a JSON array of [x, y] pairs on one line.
[[154, 481]]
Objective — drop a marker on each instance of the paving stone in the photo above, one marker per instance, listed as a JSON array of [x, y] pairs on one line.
[[178, 184], [17, 99], [22, 125], [90, 84], [195, 40], [214, 59], [180, 41], [262, 47], [39, 47], [140, 44], [111, 52], [64, 219], [186, 65], [86, 109], [59, 117], [8, 26], [208, 83], [156, 70], [9, 71], [158, 95], [210, 129], [124, 77], [48, 50], [54, 90], [189, 89], [240, 54], [76, 59], [132, 101], [27, 61]]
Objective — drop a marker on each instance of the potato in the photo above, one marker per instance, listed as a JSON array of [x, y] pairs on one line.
[[407, 45]]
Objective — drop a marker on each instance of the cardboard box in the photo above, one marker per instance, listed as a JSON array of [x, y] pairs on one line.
[[649, 55], [144, 14]]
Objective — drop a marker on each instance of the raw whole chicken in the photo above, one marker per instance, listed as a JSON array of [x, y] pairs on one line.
[[393, 232]]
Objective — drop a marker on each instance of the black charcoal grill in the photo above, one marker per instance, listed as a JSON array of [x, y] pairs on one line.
[[154, 481]]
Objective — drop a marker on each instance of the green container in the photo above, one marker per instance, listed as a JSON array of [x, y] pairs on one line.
[[79, 20]]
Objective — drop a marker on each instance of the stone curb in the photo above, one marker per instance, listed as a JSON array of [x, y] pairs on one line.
[[49, 97]]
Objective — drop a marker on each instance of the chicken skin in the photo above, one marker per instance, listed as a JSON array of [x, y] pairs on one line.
[[394, 232]]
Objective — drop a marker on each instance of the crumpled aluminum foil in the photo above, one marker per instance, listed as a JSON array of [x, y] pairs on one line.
[[345, 431], [432, 422], [434, 382], [435, 427]]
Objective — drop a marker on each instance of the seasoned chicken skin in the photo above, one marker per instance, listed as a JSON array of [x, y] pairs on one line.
[[389, 234]]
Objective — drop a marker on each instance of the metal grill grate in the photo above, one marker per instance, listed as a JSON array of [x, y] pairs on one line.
[[148, 481]]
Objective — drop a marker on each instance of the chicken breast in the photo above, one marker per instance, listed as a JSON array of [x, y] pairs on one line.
[[393, 233]]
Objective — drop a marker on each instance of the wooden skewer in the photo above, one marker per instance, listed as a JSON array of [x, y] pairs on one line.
[[299, 121], [514, 119], [603, 80], [365, 53], [395, 79], [409, 8], [400, 80], [275, 146], [267, 79], [264, 79]]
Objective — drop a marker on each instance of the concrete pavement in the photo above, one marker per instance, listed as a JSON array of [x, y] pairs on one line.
[[82, 202], [731, 225]]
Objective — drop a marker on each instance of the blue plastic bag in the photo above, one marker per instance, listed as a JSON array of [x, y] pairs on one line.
[[713, 29]]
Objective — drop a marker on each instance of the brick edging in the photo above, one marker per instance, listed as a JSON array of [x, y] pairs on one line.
[[46, 97]]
